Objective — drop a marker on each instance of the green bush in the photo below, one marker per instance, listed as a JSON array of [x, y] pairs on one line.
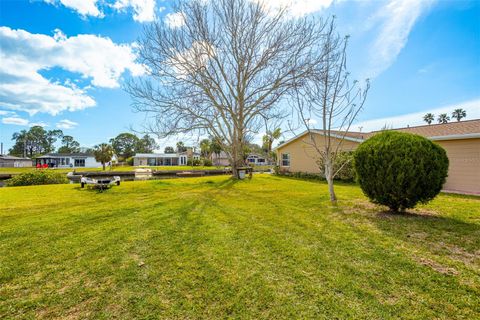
[[193, 162], [276, 170], [299, 175], [37, 177], [129, 161], [207, 162], [342, 165], [399, 170]]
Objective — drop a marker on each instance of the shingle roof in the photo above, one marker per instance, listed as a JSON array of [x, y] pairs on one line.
[[78, 154], [446, 129], [7, 157]]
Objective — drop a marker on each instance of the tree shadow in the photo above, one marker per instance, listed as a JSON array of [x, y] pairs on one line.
[[226, 184], [430, 230], [95, 190]]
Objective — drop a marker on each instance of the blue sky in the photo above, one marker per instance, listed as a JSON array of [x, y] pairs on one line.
[[63, 63]]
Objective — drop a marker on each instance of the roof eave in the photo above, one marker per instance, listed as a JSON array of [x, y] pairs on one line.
[[455, 137], [320, 133]]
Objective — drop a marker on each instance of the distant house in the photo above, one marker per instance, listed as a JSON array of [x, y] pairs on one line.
[[165, 159], [257, 160], [221, 159], [68, 160], [461, 140], [14, 162]]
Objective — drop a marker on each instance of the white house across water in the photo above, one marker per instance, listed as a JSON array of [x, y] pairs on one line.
[[68, 160], [164, 159]]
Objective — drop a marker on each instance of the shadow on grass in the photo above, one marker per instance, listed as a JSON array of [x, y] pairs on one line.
[[95, 189], [227, 184], [318, 179], [431, 230]]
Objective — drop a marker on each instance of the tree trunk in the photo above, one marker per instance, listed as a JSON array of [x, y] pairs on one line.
[[103, 164], [333, 197], [329, 178], [237, 162], [237, 157]]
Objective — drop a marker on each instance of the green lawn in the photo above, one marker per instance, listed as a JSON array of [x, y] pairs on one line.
[[210, 248]]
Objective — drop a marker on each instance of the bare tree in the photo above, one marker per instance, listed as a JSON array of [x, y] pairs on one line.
[[334, 100], [224, 72]]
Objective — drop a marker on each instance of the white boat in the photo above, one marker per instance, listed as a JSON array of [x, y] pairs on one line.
[[101, 183]]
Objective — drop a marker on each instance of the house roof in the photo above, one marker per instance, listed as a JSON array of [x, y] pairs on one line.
[[156, 155], [163, 155], [447, 131], [253, 155], [8, 157], [442, 130], [350, 136], [65, 155]]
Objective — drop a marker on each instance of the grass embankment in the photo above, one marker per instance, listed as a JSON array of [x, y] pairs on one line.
[[270, 248]]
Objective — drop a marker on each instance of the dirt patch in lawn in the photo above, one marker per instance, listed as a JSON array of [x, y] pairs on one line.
[[460, 254], [436, 266]]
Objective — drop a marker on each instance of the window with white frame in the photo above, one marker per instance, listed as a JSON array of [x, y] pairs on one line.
[[285, 159], [183, 160]]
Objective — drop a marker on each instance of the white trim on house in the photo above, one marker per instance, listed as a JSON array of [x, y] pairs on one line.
[[456, 137]]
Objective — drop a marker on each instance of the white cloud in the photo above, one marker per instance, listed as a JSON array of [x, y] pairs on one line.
[[144, 10], [40, 123], [397, 19], [15, 121], [66, 124], [297, 8], [83, 7], [7, 113], [175, 20], [416, 119], [24, 54], [190, 60]]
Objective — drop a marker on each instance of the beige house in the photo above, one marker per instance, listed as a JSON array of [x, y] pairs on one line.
[[14, 162], [461, 140]]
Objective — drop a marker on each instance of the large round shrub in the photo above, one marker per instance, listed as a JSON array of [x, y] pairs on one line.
[[399, 170], [37, 177]]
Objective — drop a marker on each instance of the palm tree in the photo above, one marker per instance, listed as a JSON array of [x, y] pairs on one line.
[[205, 148], [216, 147], [443, 118], [459, 114], [103, 153], [181, 147], [429, 117], [268, 140]]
